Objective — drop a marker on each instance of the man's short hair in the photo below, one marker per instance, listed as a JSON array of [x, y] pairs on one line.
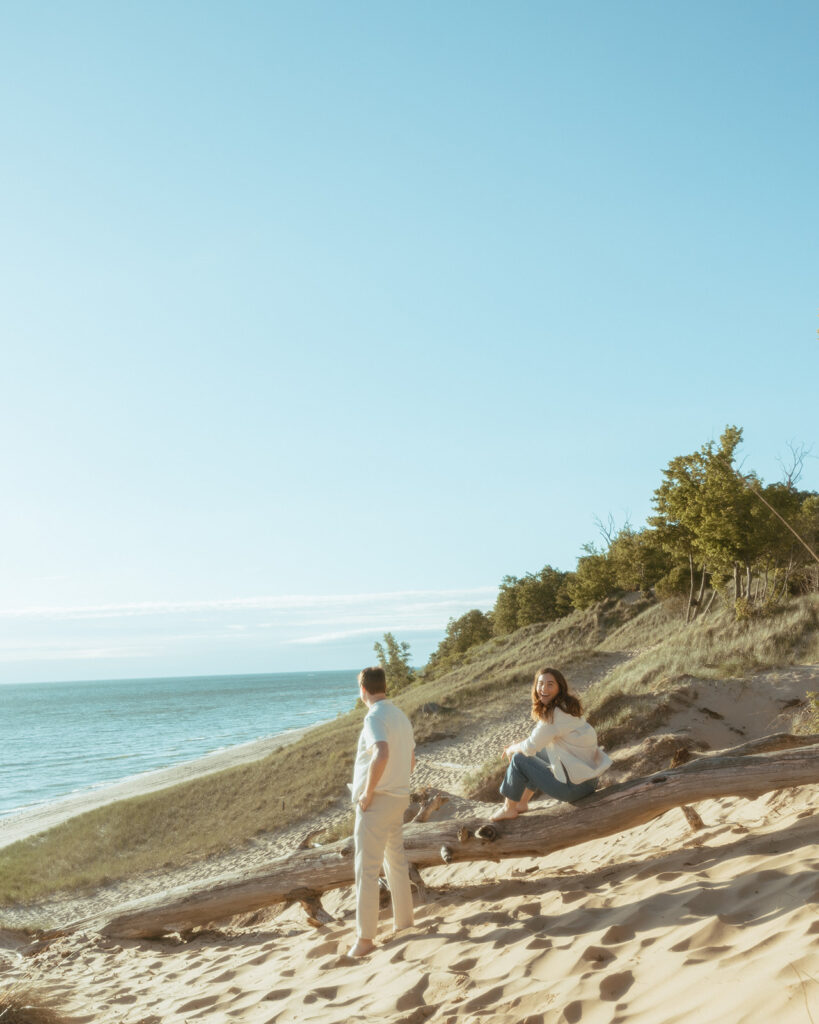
[[373, 679]]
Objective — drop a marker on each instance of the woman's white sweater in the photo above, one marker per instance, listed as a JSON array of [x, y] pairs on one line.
[[571, 746]]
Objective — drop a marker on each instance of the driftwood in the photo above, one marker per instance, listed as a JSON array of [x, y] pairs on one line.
[[762, 745], [431, 804], [693, 819], [307, 873]]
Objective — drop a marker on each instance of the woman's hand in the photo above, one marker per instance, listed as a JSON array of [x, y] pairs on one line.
[[508, 751]]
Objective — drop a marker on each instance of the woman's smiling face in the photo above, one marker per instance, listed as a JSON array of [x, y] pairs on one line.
[[547, 688]]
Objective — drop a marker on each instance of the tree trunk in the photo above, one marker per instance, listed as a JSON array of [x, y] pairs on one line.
[[748, 581], [712, 597], [690, 589], [737, 584], [701, 593], [784, 593], [306, 873]]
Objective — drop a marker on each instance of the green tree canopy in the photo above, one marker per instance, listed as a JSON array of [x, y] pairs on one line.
[[394, 658], [535, 597], [469, 630]]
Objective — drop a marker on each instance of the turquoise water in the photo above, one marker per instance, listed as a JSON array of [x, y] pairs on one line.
[[62, 738]]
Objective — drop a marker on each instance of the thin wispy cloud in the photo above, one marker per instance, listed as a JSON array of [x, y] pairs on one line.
[[291, 602], [346, 634]]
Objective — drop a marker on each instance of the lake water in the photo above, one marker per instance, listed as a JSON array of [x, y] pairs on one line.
[[62, 738]]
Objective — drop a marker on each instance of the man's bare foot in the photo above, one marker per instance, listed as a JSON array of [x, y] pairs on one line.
[[507, 812], [362, 948]]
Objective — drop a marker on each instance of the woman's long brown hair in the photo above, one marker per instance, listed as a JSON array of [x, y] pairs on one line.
[[564, 700]]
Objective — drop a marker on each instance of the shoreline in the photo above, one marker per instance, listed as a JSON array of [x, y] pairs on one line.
[[28, 822]]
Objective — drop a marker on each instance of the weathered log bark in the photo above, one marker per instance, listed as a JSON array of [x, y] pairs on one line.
[[306, 873], [762, 745]]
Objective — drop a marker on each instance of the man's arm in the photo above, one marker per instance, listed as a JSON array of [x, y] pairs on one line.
[[378, 762]]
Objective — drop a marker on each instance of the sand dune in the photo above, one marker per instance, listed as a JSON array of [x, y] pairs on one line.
[[655, 925]]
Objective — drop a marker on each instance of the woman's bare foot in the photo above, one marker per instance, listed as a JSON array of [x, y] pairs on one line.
[[507, 812], [362, 948], [523, 803]]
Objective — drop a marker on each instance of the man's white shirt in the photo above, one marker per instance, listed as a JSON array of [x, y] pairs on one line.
[[385, 723]]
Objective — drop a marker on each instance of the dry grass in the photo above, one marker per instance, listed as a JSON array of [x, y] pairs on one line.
[[341, 829], [482, 783], [717, 647], [807, 724], [23, 1005]]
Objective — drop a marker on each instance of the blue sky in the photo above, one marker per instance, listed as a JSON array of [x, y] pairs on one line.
[[320, 318]]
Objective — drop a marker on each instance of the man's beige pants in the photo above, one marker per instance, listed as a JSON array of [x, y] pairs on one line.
[[379, 837]]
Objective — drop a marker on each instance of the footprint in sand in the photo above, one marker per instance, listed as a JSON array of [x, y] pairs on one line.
[[322, 949], [197, 1004], [616, 985], [484, 999], [420, 1016], [414, 996], [278, 993], [446, 986], [328, 992], [530, 909], [224, 976], [597, 955], [464, 965], [616, 934]]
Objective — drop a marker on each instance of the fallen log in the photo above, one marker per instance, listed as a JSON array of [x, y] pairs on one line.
[[306, 873], [762, 745]]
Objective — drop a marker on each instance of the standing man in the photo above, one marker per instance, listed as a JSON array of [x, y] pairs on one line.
[[380, 792]]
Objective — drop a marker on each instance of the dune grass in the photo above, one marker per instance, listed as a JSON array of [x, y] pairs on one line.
[[20, 1004], [717, 647], [226, 810]]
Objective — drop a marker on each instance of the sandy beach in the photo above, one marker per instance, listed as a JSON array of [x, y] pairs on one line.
[[656, 924]]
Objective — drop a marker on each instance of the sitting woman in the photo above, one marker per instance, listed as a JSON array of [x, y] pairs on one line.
[[562, 736]]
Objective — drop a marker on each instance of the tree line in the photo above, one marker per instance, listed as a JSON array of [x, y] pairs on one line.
[[714, 531]]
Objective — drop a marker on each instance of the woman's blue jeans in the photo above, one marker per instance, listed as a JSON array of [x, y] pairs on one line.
[[532, 773]]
